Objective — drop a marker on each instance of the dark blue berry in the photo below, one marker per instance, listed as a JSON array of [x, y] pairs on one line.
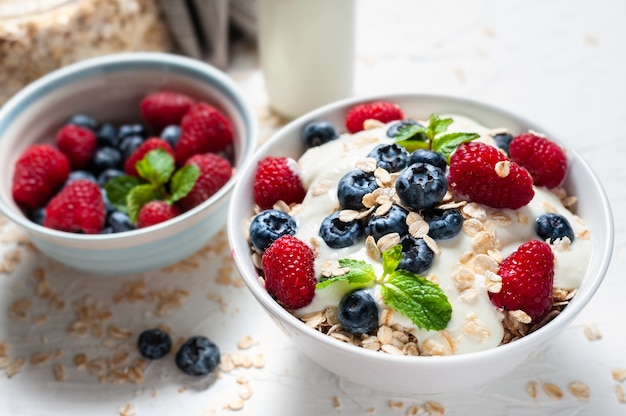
[[358, 312], [108, 174], [37, 215], [127, 130], [120, 222], [428, 156], [393, 221], [129, 144], [443, 224], [391, 157], [268, 226], [80, 174], [553, 227], [395, 128], [198, 356], [417, 257], [340, 234], [105, 158], [421, 185], [154, 343], [171, 134], [84, 120], [109, 207], [317, 133], [353, 186], [503, 141], [107, 230], [107, 136]]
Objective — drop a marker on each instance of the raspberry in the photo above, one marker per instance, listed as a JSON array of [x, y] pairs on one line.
[[544, 160], [155, 212], [161, 109], [289, 272], [77, 143], [152, 143], [39, 172], [379, 110], [482, 174], [527, 279], [276, 179], [215, 171], [78, 207], [204, 129]]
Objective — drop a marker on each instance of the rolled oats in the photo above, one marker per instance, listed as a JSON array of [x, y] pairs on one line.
[[579, 390]]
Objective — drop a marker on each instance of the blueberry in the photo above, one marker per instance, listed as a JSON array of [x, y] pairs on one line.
[[503, 141], [108, 206], [358, 312], [129, 144], [171, 134], [428, 156], [340, 234], [105, 158], [109, 174], [37, 215], [107, 136], [198, 356], [421, 185], [417, 257], [268, 226], [80, 174], [393, 221], [443, 224], [353, 186], [154, 343], [84, 120], [317, 133], [127, 130], [390, 157], [120, 222], [395, 127], [553, 227]]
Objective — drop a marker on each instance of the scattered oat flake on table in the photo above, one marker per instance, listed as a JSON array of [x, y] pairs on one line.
[[336, 402], [553, 391], [128, 410], [619, 374], [532, 389], [592, 332], [579, 390]]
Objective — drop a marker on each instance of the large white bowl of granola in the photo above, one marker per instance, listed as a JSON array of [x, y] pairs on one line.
[[419, 244]]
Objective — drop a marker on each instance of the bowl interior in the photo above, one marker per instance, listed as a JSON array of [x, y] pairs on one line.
[[593, 206], [110, 89]]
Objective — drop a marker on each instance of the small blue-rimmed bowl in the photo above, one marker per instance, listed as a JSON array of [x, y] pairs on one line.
[[110, 88]]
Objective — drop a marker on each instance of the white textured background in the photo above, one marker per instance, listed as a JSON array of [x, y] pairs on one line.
[[560, 63]]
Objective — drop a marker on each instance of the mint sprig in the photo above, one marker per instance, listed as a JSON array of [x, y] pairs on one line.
[[432, 137], [158, 180], [410, 294]]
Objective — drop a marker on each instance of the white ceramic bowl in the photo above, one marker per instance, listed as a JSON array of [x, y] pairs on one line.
[[110, 88], [422, 374]]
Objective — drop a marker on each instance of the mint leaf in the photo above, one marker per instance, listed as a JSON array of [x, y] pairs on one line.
[[138, 197], [183, 181], [117, 190], [156, 167], [360, 273], [421, 300], [391, 259], [447, 143], [437, 125]]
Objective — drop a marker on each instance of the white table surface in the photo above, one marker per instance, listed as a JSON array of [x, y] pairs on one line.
[[560, 63]]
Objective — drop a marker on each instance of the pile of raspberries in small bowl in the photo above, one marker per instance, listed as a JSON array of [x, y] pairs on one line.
[[124, 163]]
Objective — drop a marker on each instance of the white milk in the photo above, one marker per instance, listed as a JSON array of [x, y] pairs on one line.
[[307, 52]]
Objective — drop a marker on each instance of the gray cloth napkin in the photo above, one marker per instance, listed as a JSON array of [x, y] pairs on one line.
[[201, 28]]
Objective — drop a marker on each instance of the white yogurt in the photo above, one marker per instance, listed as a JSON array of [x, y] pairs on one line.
[[323, 167]]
